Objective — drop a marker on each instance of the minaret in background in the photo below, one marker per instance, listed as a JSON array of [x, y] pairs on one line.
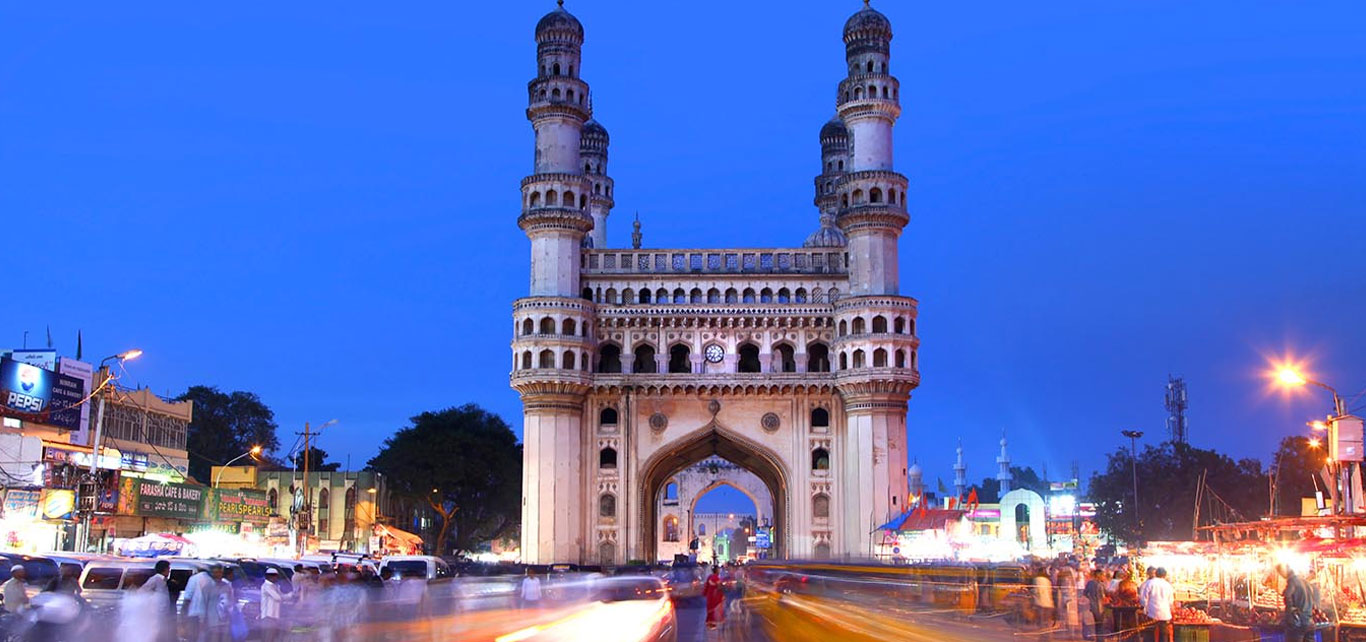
[[593, 151], [834, 156], [960, 473], [1003, 475]]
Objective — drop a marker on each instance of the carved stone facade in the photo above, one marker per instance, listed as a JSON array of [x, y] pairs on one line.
[[679, 521], [794, 364]]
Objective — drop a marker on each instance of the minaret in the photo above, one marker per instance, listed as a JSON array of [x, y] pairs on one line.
[[834, 157], [1003, 464], [875, 338], [553, 342], [593, 151], [872, 207], [960, 473], [555, 198]]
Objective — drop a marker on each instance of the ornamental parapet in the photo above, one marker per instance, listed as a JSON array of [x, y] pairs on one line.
[[555, 218], [865, 108], [866, 387], [715, 261], [551, 381], [860, 303], [871, 217], [716, 384], [553, 303], [558, 108]]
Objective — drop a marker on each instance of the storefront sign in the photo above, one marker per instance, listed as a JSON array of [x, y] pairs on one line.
[[230, 528], [234, 505], [38, 395], [22, 504], [86, 374], [180, 501], [110, 458], [45, 358], [133, 461], [58, 503]]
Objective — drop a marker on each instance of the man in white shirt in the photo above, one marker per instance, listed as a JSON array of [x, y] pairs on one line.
[[1158, 606], [271, 599], [1147, 584], [531, 590], [16, 598]]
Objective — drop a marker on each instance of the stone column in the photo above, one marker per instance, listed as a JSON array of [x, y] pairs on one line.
[[872, 459], [554, 510]]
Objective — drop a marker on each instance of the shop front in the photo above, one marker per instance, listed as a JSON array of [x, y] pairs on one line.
[[150, 507], [22, 526], [235, 523]]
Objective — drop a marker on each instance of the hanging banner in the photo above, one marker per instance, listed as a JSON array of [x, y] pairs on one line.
[[22, 504], [180, 501]]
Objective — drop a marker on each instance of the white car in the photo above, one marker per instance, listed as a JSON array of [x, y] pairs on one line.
[[416, 566]]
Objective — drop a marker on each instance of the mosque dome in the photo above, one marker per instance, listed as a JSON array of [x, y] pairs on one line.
[[594, 129], [559, 20], [826, 236], [834, 129], [915, 470], [868, 22]]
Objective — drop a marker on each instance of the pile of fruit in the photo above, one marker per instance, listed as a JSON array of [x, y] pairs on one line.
[[1354, 614], [1191, 616], [1269, 600]]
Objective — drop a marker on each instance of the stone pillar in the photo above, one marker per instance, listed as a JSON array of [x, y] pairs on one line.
[[554, 511], [872, 461]]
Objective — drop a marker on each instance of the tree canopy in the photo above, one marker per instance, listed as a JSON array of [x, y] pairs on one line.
[[1294, 467], [466, 464], [317, 461], [1168, 479], [224, 426], [989, 491]]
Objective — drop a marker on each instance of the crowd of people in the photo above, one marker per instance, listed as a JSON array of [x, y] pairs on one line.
[[1088, 604]]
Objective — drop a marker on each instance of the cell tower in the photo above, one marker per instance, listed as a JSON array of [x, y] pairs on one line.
[[1177, 427]]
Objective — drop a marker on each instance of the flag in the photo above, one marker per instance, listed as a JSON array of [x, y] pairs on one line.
[[972, 502], [943, 490]]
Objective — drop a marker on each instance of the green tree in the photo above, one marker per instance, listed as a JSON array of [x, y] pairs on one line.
[[224, 426], [317, 461], [1168, 478], [466, 464], [989, 491], [1295, 468]]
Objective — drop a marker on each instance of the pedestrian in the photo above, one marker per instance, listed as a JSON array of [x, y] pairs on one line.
[[716, 598], [1043, 598], [1299, 606], [16, 597], [1158, 608], [272, 597], [531, 590], [1095, 596], [208, 617]]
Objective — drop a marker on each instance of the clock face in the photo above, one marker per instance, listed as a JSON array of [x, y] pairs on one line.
[[715, 353]]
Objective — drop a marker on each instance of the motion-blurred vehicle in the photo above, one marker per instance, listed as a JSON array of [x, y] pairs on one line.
[[416, 566], [684, 581], [40, 569], [625, 608]]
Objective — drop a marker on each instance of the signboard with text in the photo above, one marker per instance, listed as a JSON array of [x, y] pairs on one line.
[[22, 504], [33, 394], [157, 499], [86, 374], [235, 505]]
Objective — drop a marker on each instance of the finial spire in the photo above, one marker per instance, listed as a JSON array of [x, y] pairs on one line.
[[635, 234], [561, 3], [866, 4]]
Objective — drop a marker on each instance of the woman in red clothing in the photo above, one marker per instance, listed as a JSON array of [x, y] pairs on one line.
[[716, 598]]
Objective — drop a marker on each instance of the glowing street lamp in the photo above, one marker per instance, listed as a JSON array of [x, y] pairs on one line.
[[255, 450], [1290, 376]]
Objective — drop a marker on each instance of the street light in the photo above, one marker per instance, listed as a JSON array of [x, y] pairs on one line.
[[83, 528], [1290, 377], [1134, 436], [255, 450]]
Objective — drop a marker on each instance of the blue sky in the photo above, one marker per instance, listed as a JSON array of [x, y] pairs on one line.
[[317, 202]]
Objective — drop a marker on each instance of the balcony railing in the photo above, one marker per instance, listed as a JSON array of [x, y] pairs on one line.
[[735, 261]]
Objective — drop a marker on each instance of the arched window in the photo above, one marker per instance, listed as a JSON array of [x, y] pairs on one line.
[[526, 360], [607, 505], [749, 358], [784, 296], [841, 164], [274, 498], [901, 358], [787, 360], [571, 70], [748, 296], [872, 91], [645, 360], [552, 198], [323, 499], [875, 195], [535, 199], [612, 296], [679, 361], [899, 325], [858, 93], [858, 326], [584, 361], [820, 506], [609, 359], [835, 292], [569, 94], [607, 457], [879, 323], [732, 296], [680, 296], [701, 529], [859, 360], [844, 327], [858, 197], [713, 296], [801, 295], [870, 66], [547, 359], [766, 296], [568, 360], [844, 200], [569, 198], [661, 296], [568, 327], [588, 294], [547, 325], [644, 296], [628, 296], [671, 528], [350, 499], [608, 416], [820, 459], [885, 93], [671, 491], [820, 418], [844, 361], [817, 357], [695, 296], [816, 294], [556, 69], [880, 358], [583, 201], [528, 326]]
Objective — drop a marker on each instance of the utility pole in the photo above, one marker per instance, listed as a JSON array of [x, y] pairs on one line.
[[1134, 436], [306, 516]]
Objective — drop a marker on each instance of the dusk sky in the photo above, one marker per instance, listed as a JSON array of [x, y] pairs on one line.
[[317, 202]]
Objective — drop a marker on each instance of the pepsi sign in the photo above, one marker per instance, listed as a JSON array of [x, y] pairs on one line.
[[38, 395]]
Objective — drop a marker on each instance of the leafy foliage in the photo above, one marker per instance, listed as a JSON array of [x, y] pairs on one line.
[[317, 461], [1295, 467], [989, 492], [1168, 478], [224, 426], [466, 464]]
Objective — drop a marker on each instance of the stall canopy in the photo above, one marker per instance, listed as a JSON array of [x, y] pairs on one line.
[[155, 545], [935, 519], [402, 537]]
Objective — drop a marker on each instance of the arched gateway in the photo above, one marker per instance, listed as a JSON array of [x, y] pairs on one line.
[[633, 364]]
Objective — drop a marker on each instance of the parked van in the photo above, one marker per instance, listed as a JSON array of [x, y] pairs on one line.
[[419, 566], [103, 581]]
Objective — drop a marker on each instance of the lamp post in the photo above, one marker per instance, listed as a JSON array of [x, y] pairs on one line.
[[1289, 377], [1134, 436], [255, 450], [88, 489]]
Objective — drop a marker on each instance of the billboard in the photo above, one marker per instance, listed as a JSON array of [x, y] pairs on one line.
[[86, 373], [38, 395], [235, 505], [157, 499], [22, 504], [45, 358]]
